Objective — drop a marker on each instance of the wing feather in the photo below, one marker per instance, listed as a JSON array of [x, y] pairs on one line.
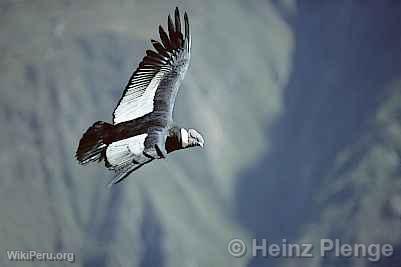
[[158, 76], [171, 29], [177, 20], [159, 48], [124, 171], [164, 38]]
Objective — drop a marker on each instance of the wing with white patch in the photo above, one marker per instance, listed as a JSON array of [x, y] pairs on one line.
[[126, 151], [154, 85]]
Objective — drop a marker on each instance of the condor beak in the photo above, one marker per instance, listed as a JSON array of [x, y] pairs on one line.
[[197, 137], [201, 142]]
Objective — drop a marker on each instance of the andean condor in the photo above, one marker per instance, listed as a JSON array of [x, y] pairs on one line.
[[143, 128]]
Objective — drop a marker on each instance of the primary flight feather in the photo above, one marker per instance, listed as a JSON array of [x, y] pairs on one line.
[[143, 128]]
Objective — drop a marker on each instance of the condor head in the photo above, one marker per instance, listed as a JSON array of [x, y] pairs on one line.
[[191, 138]]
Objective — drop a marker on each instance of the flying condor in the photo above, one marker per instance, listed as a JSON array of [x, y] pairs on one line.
[[143, 128]]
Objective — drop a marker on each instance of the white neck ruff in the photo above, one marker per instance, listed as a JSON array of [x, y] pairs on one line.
[[184, 137]]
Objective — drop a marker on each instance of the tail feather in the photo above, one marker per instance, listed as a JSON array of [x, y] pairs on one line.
[[93, 144]]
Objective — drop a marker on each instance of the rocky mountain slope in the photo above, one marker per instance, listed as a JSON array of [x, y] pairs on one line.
[[298, 102]]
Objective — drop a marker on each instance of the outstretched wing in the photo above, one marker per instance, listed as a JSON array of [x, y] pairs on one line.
[[153, 87]]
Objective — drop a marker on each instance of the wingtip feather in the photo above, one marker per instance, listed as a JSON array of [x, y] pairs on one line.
[[177, 20], [171, 28], [164, 38], [186, 21]]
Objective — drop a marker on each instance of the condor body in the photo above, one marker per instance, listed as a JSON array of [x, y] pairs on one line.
[[143, 128]]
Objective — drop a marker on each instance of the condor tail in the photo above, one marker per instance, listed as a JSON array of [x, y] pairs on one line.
[[93, 144]]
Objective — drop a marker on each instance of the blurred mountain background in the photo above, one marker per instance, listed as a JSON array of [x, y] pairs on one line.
[[299, 103]]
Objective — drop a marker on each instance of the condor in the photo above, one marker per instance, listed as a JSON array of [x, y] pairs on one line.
[[143, 128]]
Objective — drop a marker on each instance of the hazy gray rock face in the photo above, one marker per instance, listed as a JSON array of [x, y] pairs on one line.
[[299, 103], [64, 66], [334, 164]]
